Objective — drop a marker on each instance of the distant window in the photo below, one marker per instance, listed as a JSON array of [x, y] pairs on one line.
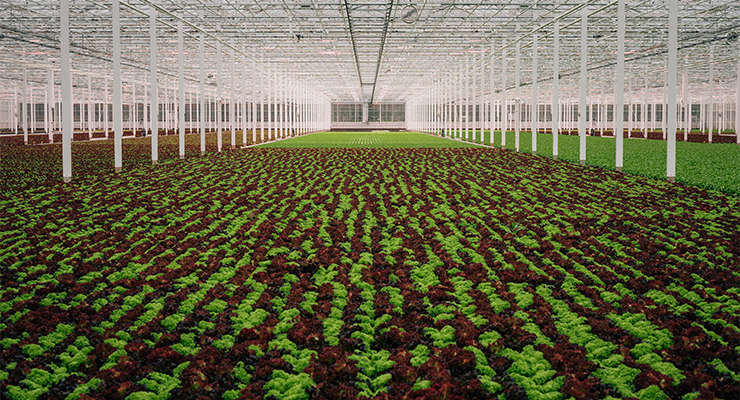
[[377, 112]]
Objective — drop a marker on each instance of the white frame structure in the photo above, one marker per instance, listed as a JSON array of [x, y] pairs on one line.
[[291, 60]]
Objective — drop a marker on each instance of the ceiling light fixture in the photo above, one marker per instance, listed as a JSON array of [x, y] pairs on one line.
[[409, 14]]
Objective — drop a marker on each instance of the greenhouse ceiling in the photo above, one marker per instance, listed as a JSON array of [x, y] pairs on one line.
[[368, 50]]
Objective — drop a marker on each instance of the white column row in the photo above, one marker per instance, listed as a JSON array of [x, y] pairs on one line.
[[291, 106], [452, 103]]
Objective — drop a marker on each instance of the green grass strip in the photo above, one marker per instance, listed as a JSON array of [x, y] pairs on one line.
[[367, 140]]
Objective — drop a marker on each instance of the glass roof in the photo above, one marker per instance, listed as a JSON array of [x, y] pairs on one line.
[[370, 50]]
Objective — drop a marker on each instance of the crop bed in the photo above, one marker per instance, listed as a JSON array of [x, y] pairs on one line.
[[349, 273], [24, 167]]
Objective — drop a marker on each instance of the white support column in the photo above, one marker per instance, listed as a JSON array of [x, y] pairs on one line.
[[435, 108], [428, 109], [244, 103], [289, 108], [687, 105], [153, 70], [279, 106], [630, 113], [254, 99], [517, 99], [172, 106], [286, 104], [535, 102], [162, 93], [492, 98], [737, 104], [219, 93], [32, 110], [584, 86], [16, 111], [50, 107], [710, 104], [89, 107], [663, 120], [482, 100], [105, 108], [590, 114], [262, 101], [466, 96], [645, 104], [270, 101], [427, 112], [601, 108], [166, 110], [24, 109], [723, 123], [95, 113], [702, 112], [134, 109], [473, 90], [454, 104], [46, 112], [117, 89], [474, 116], [555, 87], [431, 108], [448, 106], [504, 109], [232, 102], [672, 87], [619, 87], [181, 85], [460, 103], [631, 108], [202, 94], [66, 100]]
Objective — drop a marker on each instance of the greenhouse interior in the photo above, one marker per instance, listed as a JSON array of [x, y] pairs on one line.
[[392, 199]]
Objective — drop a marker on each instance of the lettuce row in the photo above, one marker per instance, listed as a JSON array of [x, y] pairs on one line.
[[284, 385], [705, 310], [246, 317], [159, 385], [568, 323], [653, 339], [48, 342], [38, 381], [333, 323], [371, 363], [371, 377], [423, 274], [525, 299], [446, 335], [187, 307], [534, 374]]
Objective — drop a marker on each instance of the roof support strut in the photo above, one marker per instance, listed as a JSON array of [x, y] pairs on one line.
[[352, 39], [388, 11]]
